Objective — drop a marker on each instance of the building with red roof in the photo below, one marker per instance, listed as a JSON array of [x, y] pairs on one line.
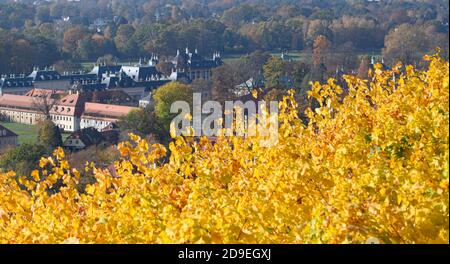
[[102, 115], [70, 113]]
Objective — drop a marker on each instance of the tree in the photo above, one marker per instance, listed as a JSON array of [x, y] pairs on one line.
[[251, 65], [49, 134], [370, 167], [43, 14], [226, 77], [71, 38], [166, 95], [299, 72], [144, 122], [274, 69], [44, 104], [223, 82], [202, 86], [66, 66], [108, 60], [85, 49], [321, 48], [124, 41], [23, 158], [364, 67], [406, 43], [165, 67]]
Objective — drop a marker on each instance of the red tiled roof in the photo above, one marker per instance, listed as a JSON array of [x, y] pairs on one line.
[[18, 101], [71, 104], [36, 92], [71, 100], [107, 110]]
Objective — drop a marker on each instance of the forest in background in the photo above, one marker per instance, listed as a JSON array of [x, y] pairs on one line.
[[64, 33]]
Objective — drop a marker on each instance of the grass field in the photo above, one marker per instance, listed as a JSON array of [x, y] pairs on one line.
[[27, 133]]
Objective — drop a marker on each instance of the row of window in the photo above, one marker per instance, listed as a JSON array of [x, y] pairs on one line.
[[94, 122], [65, 127], [199, 74], [62, 118], [74, 141]]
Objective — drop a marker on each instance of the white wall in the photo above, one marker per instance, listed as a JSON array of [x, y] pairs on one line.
[[20, 116], [97, 124]]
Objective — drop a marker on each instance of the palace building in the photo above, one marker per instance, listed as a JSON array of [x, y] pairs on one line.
[[134, 79], [70, 113], [194, 65], [101, 116]]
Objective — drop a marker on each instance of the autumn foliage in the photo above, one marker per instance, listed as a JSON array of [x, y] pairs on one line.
[[372, 164]]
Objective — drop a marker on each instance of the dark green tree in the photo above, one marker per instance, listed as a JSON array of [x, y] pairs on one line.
[[49, 135], [22, 159]]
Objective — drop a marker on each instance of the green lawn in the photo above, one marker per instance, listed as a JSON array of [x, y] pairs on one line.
[[27, 133]]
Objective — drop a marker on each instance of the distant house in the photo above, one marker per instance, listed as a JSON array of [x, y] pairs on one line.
[[246, 87], [7, 137], [83, 138]]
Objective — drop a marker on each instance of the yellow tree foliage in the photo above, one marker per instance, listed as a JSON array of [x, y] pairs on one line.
[[372, 164]]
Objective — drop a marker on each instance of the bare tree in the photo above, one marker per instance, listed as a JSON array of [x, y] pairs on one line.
[[44, 103]]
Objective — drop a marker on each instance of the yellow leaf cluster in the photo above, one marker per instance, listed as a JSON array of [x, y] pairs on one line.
[[371, 165]]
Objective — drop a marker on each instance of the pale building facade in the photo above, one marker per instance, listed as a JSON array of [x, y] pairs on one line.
[[70, 113], [100, 116], [19, 109]]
